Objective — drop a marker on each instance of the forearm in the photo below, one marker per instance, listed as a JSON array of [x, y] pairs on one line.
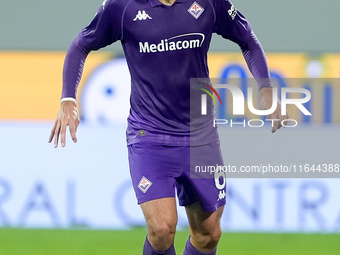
[[73, 69], [256, 60]]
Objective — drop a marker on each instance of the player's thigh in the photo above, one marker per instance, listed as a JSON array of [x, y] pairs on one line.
[[160, 214], [203, 222]]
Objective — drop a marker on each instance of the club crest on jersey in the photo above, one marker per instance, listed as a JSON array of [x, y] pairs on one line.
[[144, 184], [195, 10]]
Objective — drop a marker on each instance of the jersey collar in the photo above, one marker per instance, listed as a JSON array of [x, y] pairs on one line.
[[155, 3]]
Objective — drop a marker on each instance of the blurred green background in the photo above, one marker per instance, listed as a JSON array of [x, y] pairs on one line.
[[282, 26]]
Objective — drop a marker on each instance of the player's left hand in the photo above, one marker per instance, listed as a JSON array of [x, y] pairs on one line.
[[266, 100], [68, 116]]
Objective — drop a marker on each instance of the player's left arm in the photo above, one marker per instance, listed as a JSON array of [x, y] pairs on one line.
[[256, 60], [232, 25]]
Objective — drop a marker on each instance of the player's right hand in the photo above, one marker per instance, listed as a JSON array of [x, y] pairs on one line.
[[68, 116]]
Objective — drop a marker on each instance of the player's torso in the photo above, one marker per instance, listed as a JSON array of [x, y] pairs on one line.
[[165, 46]]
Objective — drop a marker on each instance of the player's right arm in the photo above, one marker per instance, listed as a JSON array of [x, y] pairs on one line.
[[68, 116], [104, 29]]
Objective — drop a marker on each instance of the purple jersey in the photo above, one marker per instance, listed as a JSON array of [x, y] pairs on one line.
[[164, 46]]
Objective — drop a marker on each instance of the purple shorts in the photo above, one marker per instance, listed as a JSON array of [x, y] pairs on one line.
[[158, 170]]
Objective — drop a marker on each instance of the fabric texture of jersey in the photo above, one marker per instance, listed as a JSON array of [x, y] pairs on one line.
[[165, 46]]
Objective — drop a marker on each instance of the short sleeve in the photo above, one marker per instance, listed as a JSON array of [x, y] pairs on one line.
[[105, 28], [230, 23]]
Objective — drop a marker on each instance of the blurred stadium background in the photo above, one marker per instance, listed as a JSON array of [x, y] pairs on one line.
[[79, 199]]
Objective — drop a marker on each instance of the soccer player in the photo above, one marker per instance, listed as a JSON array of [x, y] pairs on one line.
[[165, 44]]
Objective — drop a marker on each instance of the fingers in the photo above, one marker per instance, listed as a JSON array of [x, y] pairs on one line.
[[279, 119], [56, 134], [52, 132], [67, 116], [74, 124], [77, 124], [73, 130], [274, 120], [64, 124], [60, 130], [277, 124]]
